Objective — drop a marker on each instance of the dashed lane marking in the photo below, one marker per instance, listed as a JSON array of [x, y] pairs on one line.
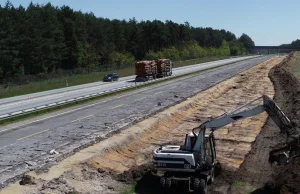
[[117, 106], [34, 134], [79, 119], [139, 99]]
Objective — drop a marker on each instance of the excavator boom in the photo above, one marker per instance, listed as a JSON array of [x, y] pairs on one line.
[[242, 112], [196, 162]]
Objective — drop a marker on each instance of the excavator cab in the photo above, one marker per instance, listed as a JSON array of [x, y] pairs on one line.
[[190, 140], [210, 149]]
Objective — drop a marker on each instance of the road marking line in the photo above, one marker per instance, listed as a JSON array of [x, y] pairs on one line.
[[117, 106], [139, 99], [79, 119], [32, 135], [72, 110]]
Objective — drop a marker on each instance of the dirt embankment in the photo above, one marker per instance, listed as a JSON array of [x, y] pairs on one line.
[[256, 175], [124, 158], [287, 95]]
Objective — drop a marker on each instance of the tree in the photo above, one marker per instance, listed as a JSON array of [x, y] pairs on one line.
[[225, 48], [247, 41], [296, 43], [237, 48], [45, 39], [171, 53]]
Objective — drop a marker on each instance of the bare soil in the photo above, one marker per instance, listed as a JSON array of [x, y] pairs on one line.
[[287, 95], [256, 173]]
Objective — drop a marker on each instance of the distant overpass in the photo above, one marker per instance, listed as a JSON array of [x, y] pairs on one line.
[[273, 49]]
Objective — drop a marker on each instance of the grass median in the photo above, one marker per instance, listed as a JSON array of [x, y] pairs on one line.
[[78, 79], [126, 90]]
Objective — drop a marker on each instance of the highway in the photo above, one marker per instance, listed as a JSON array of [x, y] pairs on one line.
[[27, 146], [27, 102]]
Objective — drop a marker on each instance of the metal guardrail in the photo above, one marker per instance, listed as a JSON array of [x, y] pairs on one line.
[[80, 98]]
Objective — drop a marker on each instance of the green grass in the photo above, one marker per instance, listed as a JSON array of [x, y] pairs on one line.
[[74, 192], [130, 190], [243, 187], [15, 90], [295, 69]]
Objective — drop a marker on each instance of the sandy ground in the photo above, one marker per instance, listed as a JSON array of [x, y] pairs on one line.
[[97, 169]]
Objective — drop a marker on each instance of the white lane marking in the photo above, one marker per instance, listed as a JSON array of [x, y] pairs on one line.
[[51, 96], [81, 118], [139, 99], [34, 134], [91, 88], [14, 127], [70, 111], [118, 106]]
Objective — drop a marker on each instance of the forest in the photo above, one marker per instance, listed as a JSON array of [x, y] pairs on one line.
[[45, 39], [295, 44]]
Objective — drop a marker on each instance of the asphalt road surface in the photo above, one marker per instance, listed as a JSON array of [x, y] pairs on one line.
[[26, 102], [28, 146]]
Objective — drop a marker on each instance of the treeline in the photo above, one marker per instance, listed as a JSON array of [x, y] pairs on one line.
[[45, 39], [295, 43], [192, 50]]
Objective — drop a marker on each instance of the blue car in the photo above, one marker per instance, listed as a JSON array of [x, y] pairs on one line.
[[111, 77]]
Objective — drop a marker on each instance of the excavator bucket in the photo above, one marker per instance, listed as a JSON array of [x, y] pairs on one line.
[[276, 114]]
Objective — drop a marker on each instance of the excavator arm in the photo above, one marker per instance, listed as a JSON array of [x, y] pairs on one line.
[[242, 112]]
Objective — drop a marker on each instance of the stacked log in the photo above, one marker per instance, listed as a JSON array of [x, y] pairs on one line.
[[163, 65], [145, 68]]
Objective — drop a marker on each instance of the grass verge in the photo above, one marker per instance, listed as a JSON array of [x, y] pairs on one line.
[[15, 90], [295, 69], [130, 190], [50, 110], [243, 187]]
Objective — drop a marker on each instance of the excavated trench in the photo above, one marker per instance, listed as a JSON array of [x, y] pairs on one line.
[[125, 158], [256, 175], [287, 95]]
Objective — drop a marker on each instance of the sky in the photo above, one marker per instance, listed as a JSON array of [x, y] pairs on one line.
[[267, 22]]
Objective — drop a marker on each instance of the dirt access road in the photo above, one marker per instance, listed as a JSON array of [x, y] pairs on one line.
[[122, 160]]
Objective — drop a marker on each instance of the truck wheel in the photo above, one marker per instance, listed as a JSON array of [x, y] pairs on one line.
[[218, 169], [168, 183], [199, 186], [162, 182]]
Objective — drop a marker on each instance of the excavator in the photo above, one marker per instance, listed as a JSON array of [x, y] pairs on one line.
[[196, 162]]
